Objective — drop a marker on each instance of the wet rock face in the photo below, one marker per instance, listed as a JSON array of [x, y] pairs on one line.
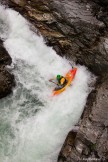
[[91, 141], [71, 27], [5, 59], [6, 79], [67, 147], [19, 2], [6, 82], [86, 35], [101, 104]]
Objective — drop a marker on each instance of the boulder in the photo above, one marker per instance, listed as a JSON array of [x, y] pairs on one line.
[[6, 82], [6, 79], [5, 58]]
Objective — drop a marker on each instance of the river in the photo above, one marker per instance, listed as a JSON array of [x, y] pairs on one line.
[[33, 124]]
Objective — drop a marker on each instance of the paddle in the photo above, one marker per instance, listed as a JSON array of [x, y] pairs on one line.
[[71, 64], [53, 82]]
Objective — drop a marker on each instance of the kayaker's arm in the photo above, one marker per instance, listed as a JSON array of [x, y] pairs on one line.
[[67, 79], [52, 80]]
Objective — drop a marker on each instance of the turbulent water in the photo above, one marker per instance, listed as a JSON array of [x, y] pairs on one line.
[[33, 124]]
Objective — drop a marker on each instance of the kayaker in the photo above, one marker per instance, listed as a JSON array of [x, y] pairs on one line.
[[61, 80]]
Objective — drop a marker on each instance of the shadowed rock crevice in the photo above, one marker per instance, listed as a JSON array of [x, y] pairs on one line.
[[6, 79]]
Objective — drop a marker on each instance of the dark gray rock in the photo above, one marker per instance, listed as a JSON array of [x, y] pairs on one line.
[[84, 34], [5, 59], [102, 2], [92, 138], [6, 79], [101, 104], [71, 27], [6, 82]]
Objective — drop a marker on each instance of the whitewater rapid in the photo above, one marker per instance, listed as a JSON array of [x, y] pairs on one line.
[[33, 124]]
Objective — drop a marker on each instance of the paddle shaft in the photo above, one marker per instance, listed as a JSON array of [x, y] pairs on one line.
[[53, 82]]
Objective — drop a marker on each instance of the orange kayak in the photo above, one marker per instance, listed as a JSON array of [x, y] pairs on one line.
[[69, 76]]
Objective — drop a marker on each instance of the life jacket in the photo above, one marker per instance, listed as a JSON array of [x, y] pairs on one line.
[[62, 81]]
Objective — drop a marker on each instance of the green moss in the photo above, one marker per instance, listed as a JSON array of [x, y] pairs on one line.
[[93, 146]]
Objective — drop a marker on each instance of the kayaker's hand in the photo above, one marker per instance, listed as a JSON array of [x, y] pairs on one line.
[[51, 80]]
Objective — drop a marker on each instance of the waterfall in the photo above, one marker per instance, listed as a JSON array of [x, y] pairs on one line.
[[33, 124]]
